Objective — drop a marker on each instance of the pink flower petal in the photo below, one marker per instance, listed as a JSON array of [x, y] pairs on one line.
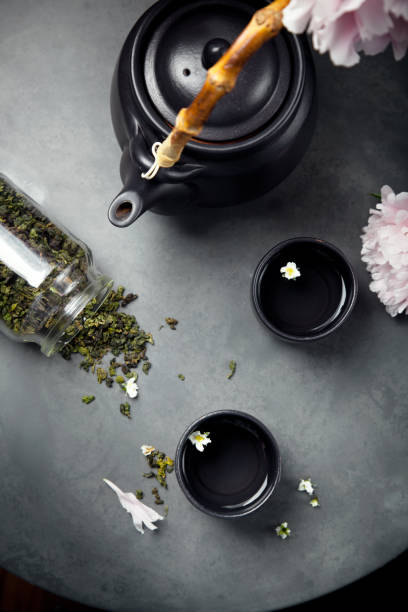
[[372, 19], [346, 27], [297, 14], [399, 8], [340, 40]]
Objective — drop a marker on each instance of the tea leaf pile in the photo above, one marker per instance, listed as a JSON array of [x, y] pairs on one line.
[[109, 330], [162, 463]]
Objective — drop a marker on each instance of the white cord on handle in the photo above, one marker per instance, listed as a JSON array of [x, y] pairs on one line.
[[154, 168]]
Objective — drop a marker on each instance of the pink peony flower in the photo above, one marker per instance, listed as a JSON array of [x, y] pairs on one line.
[[385, 250], [346, 27]]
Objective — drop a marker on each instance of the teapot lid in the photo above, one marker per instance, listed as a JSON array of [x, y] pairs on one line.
[[188, 40]]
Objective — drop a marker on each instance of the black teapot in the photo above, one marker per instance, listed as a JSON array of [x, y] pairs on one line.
[[256, 134]]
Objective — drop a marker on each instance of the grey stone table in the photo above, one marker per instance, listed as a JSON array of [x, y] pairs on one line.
[[338, 408]]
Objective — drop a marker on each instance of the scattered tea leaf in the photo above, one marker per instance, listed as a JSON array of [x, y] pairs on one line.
[[127, 299], [182, 377], [125, 410], [101, 375], [139, 494], [171, 322], [163, 464], [146, 367], [232, 367], [158, 500], [87, 399]]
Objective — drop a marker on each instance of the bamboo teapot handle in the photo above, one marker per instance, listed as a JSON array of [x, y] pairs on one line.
[[221, 78]]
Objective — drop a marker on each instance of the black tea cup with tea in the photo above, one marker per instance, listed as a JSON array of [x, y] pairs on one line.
[[228, 464], [303, 289]]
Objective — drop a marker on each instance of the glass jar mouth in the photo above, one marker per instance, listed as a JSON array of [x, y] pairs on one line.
[[98, 290]]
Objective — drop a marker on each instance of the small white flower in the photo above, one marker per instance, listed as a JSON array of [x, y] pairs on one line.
[[283, 530], [199, 439], [131, 387], [314, 502], [306, 485], [146, 449], [290, 271], [140, 512]]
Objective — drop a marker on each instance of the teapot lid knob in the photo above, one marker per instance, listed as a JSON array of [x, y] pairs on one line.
[[213, 51]]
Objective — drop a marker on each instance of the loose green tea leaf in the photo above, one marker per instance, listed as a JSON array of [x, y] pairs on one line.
[[182, 377], [232, 367], [130, 297], [139, 494], [158, 499], [125, 410], [87, 399], [171, 322], [146, 367], [101, 375]]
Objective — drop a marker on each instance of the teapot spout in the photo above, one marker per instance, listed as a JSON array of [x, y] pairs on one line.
[[141, 196], [126, 207]]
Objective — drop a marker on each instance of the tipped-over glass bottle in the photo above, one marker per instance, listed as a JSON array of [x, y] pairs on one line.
[[47, 276]]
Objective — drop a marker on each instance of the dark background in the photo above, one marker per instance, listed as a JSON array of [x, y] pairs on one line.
[[384, 589]]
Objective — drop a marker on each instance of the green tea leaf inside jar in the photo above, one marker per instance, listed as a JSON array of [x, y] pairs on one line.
[[47, 276]]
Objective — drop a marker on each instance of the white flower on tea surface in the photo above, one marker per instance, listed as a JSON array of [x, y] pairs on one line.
[[306, 485], [283, 530], [146, 449], [139, 511], [131, 387], [314, 502], [199, 439], [290, 271]]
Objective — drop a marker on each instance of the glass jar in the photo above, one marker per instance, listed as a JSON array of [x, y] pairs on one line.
[[47, 276]]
